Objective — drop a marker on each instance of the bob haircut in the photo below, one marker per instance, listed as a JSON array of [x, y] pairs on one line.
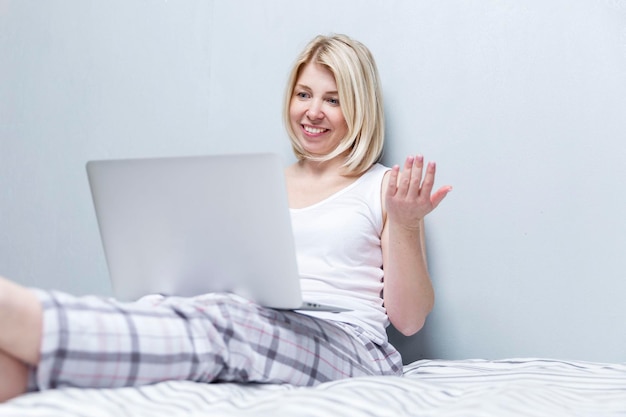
[[360, 100]]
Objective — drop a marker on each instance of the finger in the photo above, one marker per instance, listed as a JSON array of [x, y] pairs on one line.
[[439, 195], [429, 180], [392, 187], [416, 176], [405, 176]]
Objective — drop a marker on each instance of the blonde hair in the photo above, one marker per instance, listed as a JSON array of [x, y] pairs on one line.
[[360, 99]]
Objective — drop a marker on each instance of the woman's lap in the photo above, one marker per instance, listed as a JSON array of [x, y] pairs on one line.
[[98, 342]]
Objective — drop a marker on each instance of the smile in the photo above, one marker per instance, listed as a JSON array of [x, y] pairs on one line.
[[313, 130]]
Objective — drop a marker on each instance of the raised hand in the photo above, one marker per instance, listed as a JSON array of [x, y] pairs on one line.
[[409, 197]]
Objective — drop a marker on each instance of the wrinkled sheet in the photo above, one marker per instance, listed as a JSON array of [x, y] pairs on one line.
[[511, 387]]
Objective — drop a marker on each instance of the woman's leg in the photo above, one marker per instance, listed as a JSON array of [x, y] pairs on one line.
[[20, 322], [95, 342], [13, 377], [20, 336]]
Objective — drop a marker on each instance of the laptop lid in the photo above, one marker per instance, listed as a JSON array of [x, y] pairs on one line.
[[191, 225]]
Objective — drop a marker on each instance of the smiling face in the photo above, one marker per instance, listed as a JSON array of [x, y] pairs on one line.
[[314, 111]]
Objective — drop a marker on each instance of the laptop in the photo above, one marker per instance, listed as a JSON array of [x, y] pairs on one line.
[[184, 226]]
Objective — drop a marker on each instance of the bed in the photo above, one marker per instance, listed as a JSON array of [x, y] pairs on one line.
[[511, 387]]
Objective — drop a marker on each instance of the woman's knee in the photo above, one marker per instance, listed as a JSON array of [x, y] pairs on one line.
[[13, 377], [21, 322]]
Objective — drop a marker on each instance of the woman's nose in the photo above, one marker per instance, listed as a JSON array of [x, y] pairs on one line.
[[314, 112]]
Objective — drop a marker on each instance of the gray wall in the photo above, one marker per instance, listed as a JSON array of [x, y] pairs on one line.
[[522, 104]]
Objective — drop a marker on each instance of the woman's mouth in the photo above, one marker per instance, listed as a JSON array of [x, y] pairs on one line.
[[314, 130]]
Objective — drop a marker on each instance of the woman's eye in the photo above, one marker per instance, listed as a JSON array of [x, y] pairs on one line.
[[334, 101], [302, 94]]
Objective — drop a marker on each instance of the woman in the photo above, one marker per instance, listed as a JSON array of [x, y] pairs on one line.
[[360, 243]]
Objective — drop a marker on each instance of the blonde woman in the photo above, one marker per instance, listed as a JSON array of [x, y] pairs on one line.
[[360, 244]]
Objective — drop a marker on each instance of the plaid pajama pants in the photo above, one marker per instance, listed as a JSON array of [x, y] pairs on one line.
[[98, 342]]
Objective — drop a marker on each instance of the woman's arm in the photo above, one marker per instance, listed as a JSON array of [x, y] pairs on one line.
[[407, 199]]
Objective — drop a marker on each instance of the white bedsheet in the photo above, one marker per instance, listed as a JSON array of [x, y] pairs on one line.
[[512, 387]]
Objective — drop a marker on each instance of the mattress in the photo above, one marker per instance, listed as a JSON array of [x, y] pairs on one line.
[[512, 387]]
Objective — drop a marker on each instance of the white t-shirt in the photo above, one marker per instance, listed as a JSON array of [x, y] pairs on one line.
[[339, 253]]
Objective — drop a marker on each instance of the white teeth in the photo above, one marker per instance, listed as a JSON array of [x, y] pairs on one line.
[[314, 130]]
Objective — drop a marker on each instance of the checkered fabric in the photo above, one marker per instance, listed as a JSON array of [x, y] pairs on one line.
[[98, 342]]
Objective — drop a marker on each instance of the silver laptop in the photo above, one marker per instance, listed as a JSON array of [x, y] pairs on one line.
[[186, 226]]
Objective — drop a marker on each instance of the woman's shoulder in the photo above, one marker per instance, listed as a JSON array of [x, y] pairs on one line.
[[377, 172], [378, 167]]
